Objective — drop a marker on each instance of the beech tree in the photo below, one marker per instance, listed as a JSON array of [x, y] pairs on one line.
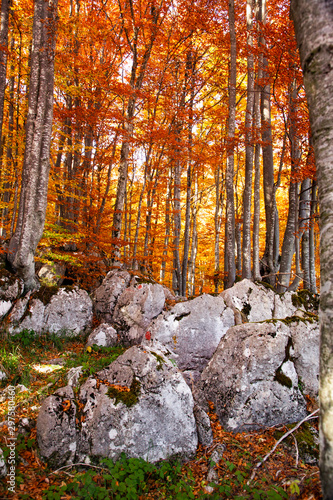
[[313, 20], [36, 165]]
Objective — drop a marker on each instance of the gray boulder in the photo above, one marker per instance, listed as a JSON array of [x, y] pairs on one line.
[[28, 314], [5, 306], [52, 273], [139, 405], [17, 312], [104, 335], [136, 308], [192, 331], [257, 303], [11, 287], [56, 428], [252, 378], [305, 337], [68, 311], [73, 376], [106, 295]]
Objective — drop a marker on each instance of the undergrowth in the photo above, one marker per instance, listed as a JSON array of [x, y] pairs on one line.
[[281, 477]]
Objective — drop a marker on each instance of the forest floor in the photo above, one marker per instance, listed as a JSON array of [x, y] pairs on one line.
[[40, 364]]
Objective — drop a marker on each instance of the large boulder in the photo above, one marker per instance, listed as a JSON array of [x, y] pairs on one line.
[[136, 308], [252, 378], [56, 428], [305, 337], [257, 303], [192, 331], [10, 289], [67, 311], [139, 405], [105, 296]]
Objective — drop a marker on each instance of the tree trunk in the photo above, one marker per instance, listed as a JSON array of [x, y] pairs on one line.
[[138, 71], [5, 5], [257, 151], [267, 156], [312, 258], [230, 224], [313, 20], [288, 246], [36, 165], [247, 193], [304, 233]]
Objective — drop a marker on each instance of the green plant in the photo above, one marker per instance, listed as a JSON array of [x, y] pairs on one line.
[[234, 485], [128, 479], [10, 358], [95, 361], [25, 337]]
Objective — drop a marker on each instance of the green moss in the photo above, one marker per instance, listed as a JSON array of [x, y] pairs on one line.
[[45, 293], [160, 360], [307, 318], [181, 316], [128, 397], [282, 378], [246, 309], [266, 285], [305, 299], [306, 442]]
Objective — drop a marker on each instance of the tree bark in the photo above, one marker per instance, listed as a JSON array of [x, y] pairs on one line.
[[230, 212], [269, 266], [247, 193], [5, 4], [313, 20], [36, 165], [288, 246]]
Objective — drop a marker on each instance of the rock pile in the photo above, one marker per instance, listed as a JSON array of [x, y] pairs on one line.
[[253, 353]]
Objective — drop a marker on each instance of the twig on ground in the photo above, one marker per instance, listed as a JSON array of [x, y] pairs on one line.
[[256, 467], [297, 452], [75, 465]]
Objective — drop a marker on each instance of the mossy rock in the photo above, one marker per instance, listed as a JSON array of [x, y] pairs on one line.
[[127, 395], [306, 300], [307, 442], [160, 360]]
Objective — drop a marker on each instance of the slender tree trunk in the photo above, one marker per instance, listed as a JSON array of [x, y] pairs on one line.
[[36, 166], [312, 258], [313, 20], [217, 224], [190, 66], [138, 72], [230, 224], [167, 226], [5, 6], [176, 279], [267, 156], [247, 193], [288, 246], [9, 155], [257, 151], [304, 233]]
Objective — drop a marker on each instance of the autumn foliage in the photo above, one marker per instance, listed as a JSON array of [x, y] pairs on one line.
[[140, 136]]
